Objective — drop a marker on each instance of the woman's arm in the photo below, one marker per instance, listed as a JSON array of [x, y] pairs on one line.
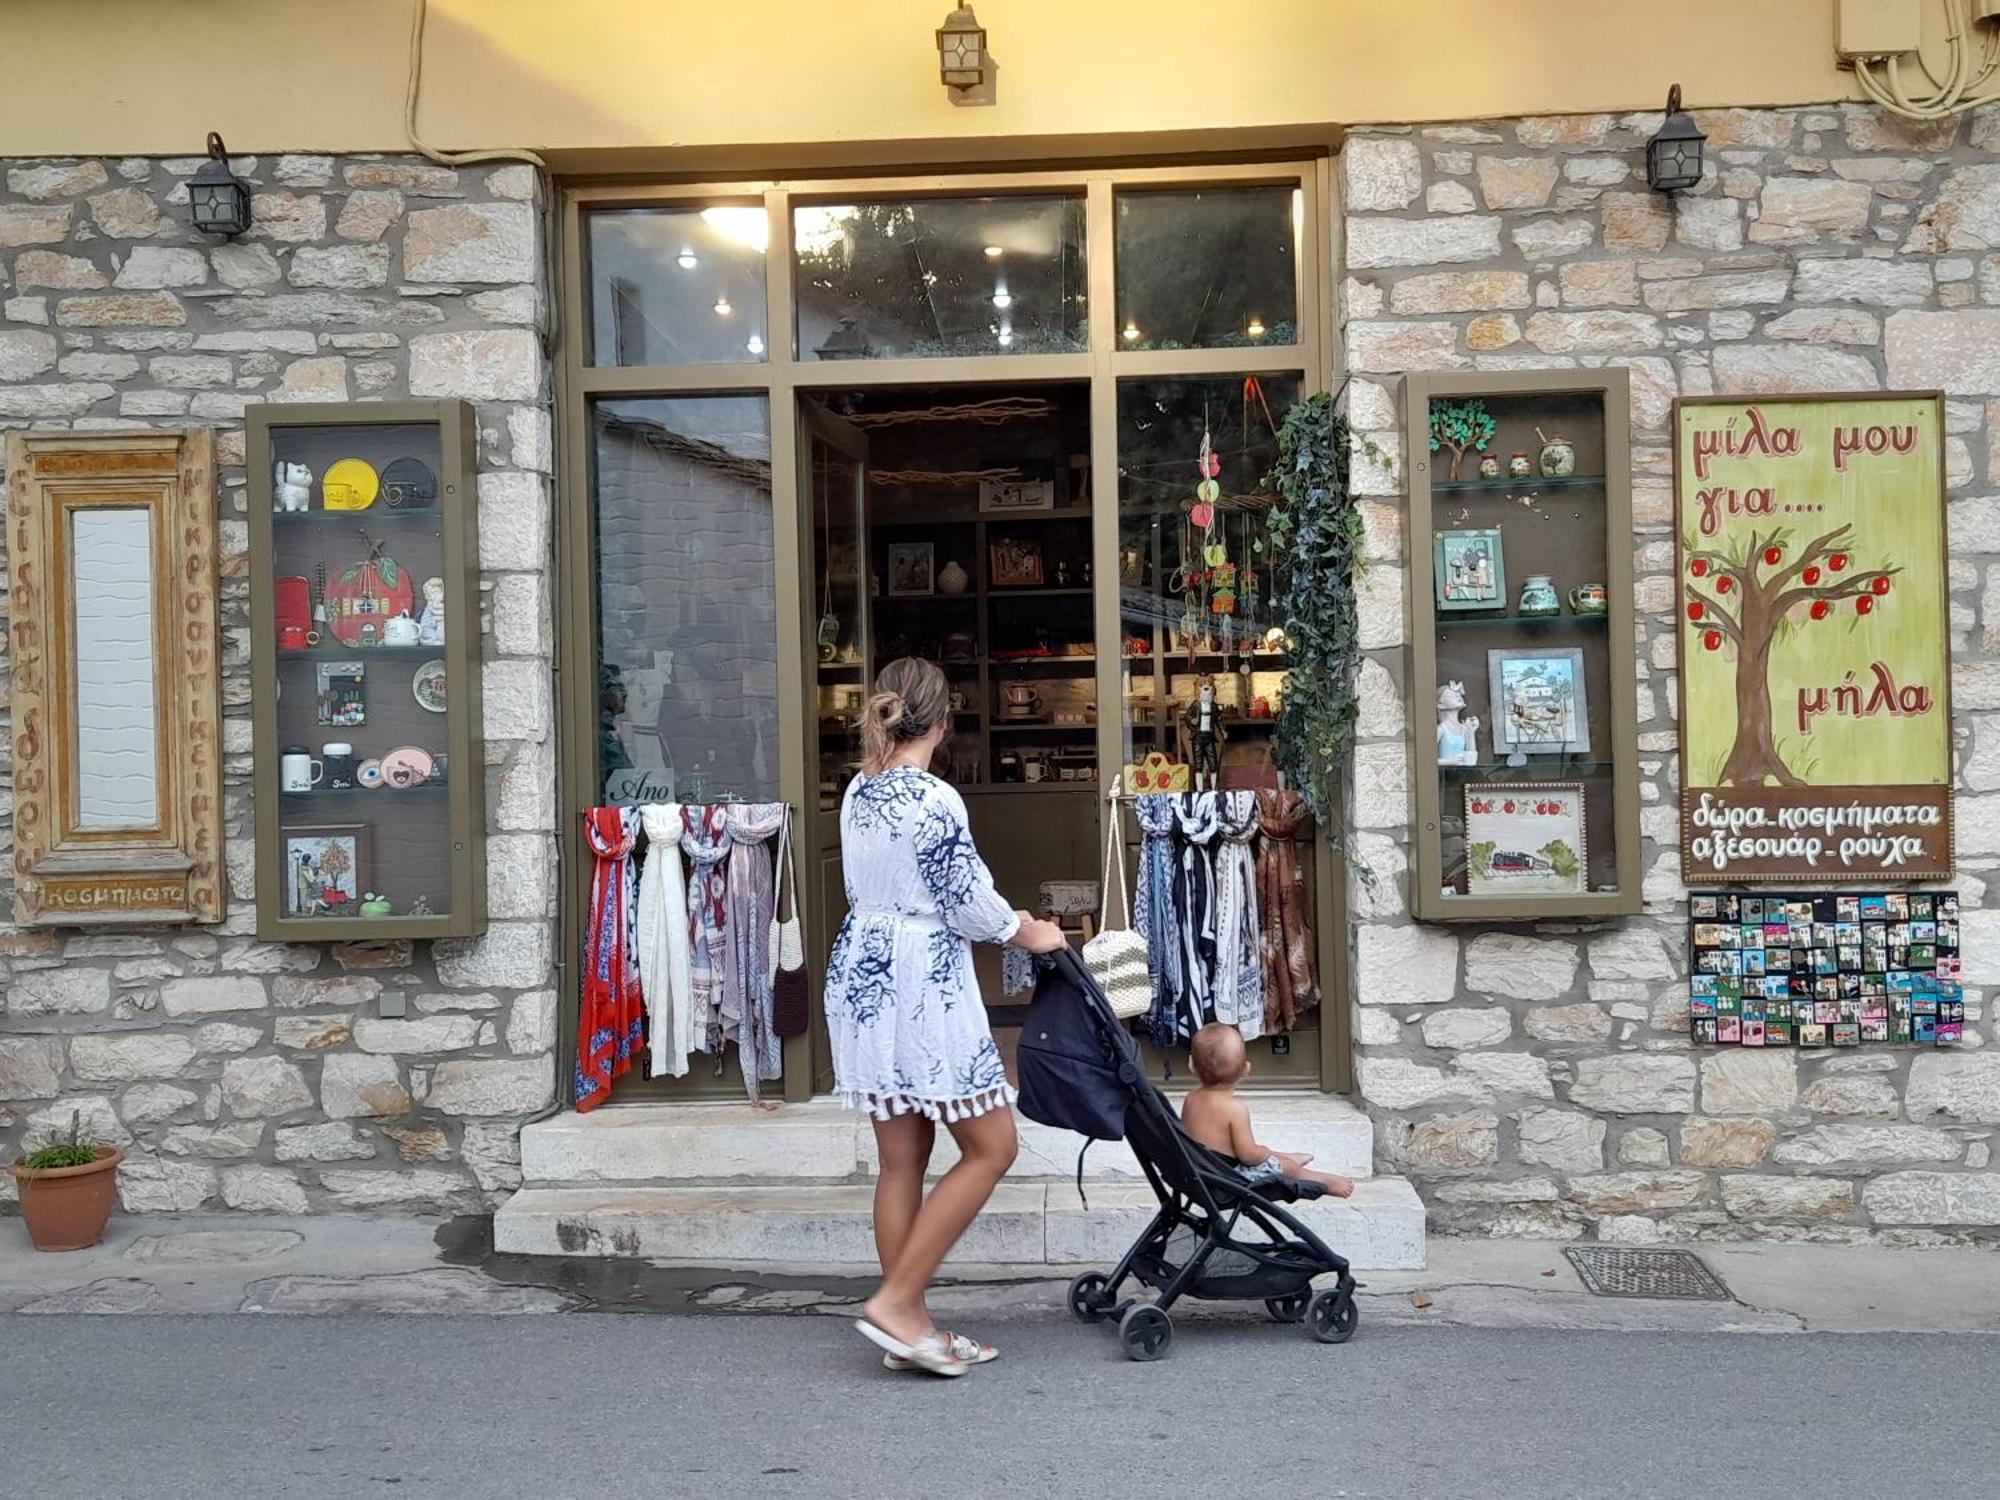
[[957, 878]]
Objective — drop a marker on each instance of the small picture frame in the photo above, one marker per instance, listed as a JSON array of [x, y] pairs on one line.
[[1469, 569], [325, 870], [1009, 495], [912, 570], [1015, 563], [1527, 839], [1539, 705]]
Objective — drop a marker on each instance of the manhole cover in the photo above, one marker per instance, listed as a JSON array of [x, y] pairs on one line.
[[1612, 1272]]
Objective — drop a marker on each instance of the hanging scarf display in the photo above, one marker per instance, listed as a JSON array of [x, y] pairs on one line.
[[611, 1021], [662, 926], [1239, 973], [705, 841], [1154, 916], [745, 1001], [1291, 968], [1195, 827]]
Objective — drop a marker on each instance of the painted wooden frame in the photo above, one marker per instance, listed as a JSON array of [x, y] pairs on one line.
[[77, 865]]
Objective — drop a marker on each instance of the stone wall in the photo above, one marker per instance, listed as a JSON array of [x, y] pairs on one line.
[[237, 1073], [1538, 1078]]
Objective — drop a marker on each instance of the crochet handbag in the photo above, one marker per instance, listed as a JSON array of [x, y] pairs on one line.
[[791, 1004], [1116, 957]]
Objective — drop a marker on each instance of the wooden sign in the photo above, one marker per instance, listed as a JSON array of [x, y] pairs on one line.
[[1815, 724]]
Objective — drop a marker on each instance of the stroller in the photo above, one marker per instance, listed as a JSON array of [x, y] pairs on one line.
[[1215, 1237]]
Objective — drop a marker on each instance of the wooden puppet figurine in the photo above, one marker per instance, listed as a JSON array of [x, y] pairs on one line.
[[1205, 734]]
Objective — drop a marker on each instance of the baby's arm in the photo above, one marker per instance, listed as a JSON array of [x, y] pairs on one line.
[[1242, 1140]]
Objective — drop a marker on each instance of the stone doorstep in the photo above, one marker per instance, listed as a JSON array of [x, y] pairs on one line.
[[825, 1226], [820, 1141]]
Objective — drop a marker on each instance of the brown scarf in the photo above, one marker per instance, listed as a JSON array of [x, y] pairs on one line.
[[1291, 966]]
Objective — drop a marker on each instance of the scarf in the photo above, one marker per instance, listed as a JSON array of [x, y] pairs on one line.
[[746, 973], [662, 925], [705, 841], [611, 1021], [1291, 966], [1239, 974], [1154, 917], [1196, 823]]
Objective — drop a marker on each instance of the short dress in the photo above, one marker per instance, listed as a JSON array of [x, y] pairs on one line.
[[903, 1006]]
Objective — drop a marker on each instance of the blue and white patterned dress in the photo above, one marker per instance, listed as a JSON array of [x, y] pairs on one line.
[[903, 1006]]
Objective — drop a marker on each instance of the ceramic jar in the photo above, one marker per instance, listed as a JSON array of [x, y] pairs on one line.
[[1539, 597], [1489, 466], [1518, 467], [1558, 456], [952, 579]]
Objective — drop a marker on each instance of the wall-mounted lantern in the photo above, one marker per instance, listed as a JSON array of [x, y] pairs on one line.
[[218, 199], [1673, 157], [961, 44]]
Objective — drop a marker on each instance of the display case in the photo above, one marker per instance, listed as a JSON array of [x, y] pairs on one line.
[[1522, 691], [364, 630]]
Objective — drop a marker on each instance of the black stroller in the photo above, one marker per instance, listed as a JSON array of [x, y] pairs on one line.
[[1215, 1237]]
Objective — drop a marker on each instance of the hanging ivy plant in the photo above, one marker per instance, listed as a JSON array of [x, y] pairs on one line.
[[1316, 539]]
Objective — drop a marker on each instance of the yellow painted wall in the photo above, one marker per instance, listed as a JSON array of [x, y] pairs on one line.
[[789, 81]]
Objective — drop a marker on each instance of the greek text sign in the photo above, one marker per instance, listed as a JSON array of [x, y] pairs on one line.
[[1815, 670]]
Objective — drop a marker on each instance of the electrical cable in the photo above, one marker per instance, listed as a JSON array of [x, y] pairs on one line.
[[418, 12]]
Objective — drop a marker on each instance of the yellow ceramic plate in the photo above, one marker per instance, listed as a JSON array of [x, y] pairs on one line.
[[350, 484]]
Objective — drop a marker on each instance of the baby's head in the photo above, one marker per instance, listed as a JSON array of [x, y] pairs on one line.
[[1218, 1055]]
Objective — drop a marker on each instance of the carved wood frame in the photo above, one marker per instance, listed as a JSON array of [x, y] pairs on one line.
[[172, 871]]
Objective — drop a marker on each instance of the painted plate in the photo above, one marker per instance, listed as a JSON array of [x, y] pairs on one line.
[[367, 594], [406, 766], [427, 687], [350, 484]]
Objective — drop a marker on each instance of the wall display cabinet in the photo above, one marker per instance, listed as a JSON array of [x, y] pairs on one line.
[[364, 630], [1522, 691]]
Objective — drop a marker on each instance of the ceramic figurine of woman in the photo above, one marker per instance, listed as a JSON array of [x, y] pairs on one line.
[[430, 624], [1457, 733]]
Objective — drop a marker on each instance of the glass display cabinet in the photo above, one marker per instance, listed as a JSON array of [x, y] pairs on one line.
[[364, 632], [1522, 684]]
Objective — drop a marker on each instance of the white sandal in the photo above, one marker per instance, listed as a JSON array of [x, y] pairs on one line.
[[933, 1352], [967, 1351]]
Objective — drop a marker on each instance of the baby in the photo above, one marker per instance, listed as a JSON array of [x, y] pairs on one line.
[[1219, 1120]]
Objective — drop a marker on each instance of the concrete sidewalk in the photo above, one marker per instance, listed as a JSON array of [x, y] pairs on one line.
[[358, 1264]]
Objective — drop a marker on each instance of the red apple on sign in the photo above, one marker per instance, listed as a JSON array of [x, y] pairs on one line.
[[1724, 584], [1712, 640], [1880, 586], [1863, 605], [1837, 562], [1699, 567], [1819, 609], [1508, 805], [1696, 609], [1773, 555], [1811, 575]]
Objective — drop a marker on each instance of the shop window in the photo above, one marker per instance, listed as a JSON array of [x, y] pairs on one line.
[[687, 605], [115, 676], [678, 286], [940, 276], [1214, 268]]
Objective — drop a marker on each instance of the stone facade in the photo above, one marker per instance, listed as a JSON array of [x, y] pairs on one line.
[[236, 1073], [1539, 1080]]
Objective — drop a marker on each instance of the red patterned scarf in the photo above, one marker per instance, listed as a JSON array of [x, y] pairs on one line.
[[611, 1026]]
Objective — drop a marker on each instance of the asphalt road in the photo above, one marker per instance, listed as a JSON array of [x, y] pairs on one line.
[[602, 1406]]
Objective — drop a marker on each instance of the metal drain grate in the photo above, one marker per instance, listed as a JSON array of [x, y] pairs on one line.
[[1612, 1272]]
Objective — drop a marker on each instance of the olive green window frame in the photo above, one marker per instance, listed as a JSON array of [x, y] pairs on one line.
[[783, 378], [1611, 386], [465, 792]]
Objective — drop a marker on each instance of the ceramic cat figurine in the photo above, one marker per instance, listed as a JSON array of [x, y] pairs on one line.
[[291, 488], [1457, 733]]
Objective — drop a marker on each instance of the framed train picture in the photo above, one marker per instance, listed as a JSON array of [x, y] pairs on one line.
[[1524, 838]]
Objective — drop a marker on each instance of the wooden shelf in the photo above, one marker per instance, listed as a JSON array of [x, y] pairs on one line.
[[1503, 486], [361, 653], [1038, 593], [1022, 726], [1452, 619]]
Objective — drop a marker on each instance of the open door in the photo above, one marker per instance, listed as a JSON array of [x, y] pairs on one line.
[[833, 463]]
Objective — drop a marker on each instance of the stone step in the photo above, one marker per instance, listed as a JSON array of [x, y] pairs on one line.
[[820, 1141], [829, 1227]]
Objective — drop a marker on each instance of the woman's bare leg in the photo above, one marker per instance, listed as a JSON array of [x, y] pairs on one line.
[[903, 1152], [986, 1149]]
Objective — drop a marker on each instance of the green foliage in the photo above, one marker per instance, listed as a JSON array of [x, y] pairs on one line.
[[64, 1151], [1316, 537], [1561, 858], [1480, 856], [1459, 425]]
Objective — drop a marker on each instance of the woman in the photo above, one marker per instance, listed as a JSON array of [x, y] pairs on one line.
[[910, 1039]]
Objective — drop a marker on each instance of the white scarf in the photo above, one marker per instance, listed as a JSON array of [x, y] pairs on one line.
[[1239, 973], [664, 978]]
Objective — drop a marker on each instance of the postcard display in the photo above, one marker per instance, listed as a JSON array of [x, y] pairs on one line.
[[1521, 611], [1825, 969], [365, 645]]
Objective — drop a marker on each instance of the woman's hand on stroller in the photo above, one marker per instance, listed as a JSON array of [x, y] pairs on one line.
[[1039, 936]]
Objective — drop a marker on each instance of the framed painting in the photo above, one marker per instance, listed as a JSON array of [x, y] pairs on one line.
[[1525, 839], [325, 869], [912, 570], [1469, 570], [1016, 564], [1538, 702]]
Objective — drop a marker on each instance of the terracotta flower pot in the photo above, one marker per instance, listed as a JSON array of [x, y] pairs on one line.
[[66, 1207]]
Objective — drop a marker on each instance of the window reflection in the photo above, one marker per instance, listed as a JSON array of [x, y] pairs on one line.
[[677, 286], [1211, 269]]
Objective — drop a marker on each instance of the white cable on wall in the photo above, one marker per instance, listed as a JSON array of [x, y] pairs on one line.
[[1964, 86], [418, 12]]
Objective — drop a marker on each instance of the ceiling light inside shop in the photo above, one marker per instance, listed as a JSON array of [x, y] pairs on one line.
[[1003, 299], [1006, 335], [1254, 328], [746, 226], [686, 260], [994, 252], [1132, 334], [722, 307], [756, 344]]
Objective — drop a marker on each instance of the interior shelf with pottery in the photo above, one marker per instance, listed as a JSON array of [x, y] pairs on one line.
[[1521, 655], [364, 627]]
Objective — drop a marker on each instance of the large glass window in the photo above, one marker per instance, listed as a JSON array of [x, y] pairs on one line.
[[940, 276], [1212, 268], [686, 600], [677, 286]]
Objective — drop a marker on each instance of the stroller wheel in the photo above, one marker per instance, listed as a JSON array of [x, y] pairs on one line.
[[1145, 1331], [1088, 1298], [1289, 1309], [1331, 1315]]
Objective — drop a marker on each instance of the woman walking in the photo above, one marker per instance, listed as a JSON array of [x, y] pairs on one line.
[[910, 1040]]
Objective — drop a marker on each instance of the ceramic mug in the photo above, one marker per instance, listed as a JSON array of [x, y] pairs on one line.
[[1588, 599], [298, 771], [338, 758]]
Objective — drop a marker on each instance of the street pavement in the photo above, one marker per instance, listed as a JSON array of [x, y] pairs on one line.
[[752, 1406]]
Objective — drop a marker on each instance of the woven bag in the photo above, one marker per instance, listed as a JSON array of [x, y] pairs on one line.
[[1116, 957]]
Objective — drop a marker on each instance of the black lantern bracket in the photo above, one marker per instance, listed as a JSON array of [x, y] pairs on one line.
[[218, 200], [1673, 157]]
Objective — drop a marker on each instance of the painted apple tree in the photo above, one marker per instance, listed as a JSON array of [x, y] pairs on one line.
[[1742, 603]]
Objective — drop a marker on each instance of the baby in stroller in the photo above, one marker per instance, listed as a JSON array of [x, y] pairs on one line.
[[1216, 1117]]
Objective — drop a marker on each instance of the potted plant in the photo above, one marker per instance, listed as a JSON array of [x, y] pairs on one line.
[[67, 1188]]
